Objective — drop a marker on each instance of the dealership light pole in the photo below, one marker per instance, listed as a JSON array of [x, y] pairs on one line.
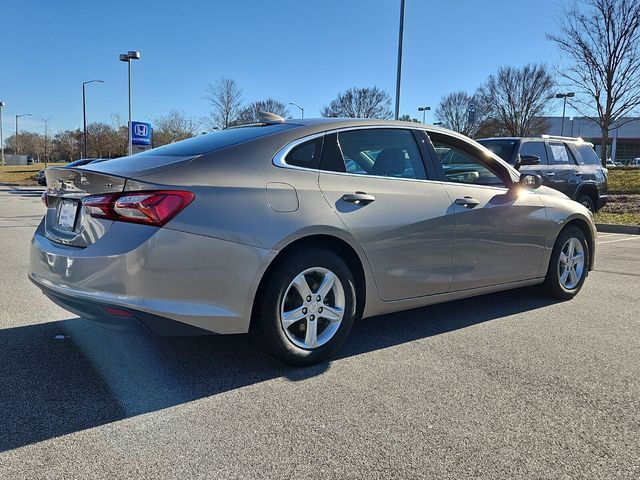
[[424, 111], [84, 113], [17, 138], [564, 96], [127, 57], [301, 109], [399, 73], [1, 136]]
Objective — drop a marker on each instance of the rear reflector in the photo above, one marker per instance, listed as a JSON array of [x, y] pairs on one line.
[[155, 207], [117, 312]]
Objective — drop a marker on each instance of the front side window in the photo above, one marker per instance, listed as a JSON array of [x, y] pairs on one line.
[[462, 166], [535, 148], [560, 154], [381, 152]]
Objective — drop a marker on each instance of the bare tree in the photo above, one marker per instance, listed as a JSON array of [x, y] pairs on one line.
[[603, 46], [360, 103], [67, 145], [225, 98], [172, 127], [250, 113], [460, 112], [515, 98]]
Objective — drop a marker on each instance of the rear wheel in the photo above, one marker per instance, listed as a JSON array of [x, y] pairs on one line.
[[306, 308], [568, 265], [587, 201]]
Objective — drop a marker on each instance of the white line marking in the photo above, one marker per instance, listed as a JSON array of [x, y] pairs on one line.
[[619, 240]]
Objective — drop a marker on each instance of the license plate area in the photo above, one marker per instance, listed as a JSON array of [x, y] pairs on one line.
[[67, 213]]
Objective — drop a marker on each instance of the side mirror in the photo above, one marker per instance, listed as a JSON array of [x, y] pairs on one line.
[[530, 181], [527, 160]]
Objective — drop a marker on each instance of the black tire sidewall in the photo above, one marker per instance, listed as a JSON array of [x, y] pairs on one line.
[[552, 281], [268, 308]]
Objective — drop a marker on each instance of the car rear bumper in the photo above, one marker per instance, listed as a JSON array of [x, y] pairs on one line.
[[155, 275], [602, 201]]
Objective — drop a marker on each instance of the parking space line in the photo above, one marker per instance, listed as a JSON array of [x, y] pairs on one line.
[[619, 240]]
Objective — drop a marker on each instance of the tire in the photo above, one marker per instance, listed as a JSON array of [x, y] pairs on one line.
[[587, 201], [560, 268], [280, 303]]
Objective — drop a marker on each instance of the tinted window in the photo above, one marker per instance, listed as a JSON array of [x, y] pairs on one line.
[[306, 154], [382, 152], [535, 148], [560, 154], [216, 140], [461, 166], [588, 155], [503, 148]]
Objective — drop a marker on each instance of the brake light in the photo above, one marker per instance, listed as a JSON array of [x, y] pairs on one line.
[[150, 208]]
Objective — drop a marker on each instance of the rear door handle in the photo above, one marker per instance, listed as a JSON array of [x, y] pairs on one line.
[[359, 198], [467, 202], [550, 174]]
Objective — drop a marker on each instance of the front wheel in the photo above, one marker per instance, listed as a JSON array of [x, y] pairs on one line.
[[568, 265], [306, 308], [587, 202]]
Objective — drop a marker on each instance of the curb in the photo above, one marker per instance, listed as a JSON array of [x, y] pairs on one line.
[[611, 228]]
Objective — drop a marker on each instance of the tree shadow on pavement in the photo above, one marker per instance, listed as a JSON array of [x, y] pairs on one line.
[[61, 377]]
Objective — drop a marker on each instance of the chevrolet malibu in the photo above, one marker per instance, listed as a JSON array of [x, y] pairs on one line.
[[293, 229]]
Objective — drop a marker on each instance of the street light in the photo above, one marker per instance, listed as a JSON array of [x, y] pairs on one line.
[[84, 113], [17, 138], [127, 57], [301, 109], [424, 111], [564, 96], [399, 72], [1, 136]]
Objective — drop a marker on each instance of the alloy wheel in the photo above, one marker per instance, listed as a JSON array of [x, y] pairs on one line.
[[571, 263], [312, 308]]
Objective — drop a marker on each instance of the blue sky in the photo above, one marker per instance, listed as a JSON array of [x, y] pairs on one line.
[[300, 51]]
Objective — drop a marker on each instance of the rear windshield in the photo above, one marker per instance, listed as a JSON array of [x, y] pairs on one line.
[[502, 148], [588, 156], [215, 141]]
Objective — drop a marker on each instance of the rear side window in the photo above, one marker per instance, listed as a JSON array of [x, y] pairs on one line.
[[560, 154], [588, 156], [216, 140], [306, 154], [381, 152], [535, 148]]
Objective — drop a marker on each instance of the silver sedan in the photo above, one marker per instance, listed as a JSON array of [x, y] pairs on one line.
[[293, 229]]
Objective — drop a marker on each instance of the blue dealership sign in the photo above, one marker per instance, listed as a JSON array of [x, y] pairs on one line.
[[140, 133]]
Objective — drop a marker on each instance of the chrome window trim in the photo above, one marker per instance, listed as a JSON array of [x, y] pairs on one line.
[[279, 158]]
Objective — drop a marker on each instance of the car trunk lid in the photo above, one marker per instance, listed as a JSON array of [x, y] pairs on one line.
[[66, 221]]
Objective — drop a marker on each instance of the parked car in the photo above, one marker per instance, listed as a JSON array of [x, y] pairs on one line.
[[569, 165], [42, 179], [292, 229], [635, 162], [612, 163]]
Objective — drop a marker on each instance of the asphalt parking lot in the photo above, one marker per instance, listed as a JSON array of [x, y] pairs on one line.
[[510, 385]]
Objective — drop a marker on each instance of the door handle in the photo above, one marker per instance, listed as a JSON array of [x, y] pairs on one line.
[[467, 202], [359, 198], [550, 174]]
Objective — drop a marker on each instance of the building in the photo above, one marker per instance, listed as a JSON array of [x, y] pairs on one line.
[[624, 142]]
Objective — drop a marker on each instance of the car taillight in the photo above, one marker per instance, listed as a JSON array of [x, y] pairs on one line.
[[150, 208]]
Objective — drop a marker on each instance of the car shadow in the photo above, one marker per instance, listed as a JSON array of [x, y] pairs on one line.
[[61, 377]]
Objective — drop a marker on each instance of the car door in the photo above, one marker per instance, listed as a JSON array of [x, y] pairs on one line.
[[375, 181], [500, 232]]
